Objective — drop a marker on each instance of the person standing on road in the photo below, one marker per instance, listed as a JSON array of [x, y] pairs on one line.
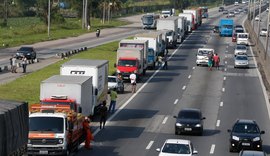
[[113, 95], [14, 64], [165, 59], [24, 63], [132, 78], [87, 132], [210, 62], [216, 60], [160, 61], [103, 115]]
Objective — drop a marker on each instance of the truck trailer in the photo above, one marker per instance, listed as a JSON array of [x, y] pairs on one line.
[[190, 21], [196, 17]]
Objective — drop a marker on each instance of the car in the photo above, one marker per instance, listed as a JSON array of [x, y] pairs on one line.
[[225, 12], [252, 153], [236, 3], [234, 36], [240, 10], [189, 120], [202, 55], [231, 14], [238, 26], [216, 29], [263, 32], [240, 49], [236, 11], [257, 18], [178, 147], [114, 83], [245, 134], [26, 51], [238, 30], [241, 61], [267, 9], [245, 10], [220, 9]]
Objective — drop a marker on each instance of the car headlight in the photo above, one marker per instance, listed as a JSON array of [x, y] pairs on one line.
[[178, 124], [235, 138], [60, 141], [198, 125], [256, 139]]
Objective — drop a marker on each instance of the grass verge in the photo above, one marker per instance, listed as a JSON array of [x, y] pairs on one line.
[[27, 88]]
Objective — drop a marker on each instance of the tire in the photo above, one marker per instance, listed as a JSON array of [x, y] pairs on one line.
[[231, 149]]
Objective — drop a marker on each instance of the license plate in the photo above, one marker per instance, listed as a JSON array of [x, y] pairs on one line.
[[43, 152], [245, 144], [188, 129]]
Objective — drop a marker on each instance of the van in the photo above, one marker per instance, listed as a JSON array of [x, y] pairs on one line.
[[202, 55], [242, 38]]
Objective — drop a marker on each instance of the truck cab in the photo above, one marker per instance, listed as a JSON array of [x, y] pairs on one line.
[[226, 27], [242, 38]]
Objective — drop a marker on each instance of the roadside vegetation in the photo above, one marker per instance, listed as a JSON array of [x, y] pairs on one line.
[[27, 88]]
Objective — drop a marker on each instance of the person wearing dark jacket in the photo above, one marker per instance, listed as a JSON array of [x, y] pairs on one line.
[[103, 115]]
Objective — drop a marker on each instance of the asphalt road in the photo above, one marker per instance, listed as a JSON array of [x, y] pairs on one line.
[[145, 119]]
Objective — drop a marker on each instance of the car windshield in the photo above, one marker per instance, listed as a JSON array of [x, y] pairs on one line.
[[241, 48], [148, 19], [264, 29], [204, 52], [246, 128], [241, 58], [189, 115], [239, 30], [46, 124], [112, 79], [243, 36], [176, 148], [26, 49]]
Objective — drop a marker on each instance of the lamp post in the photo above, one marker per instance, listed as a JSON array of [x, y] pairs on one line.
[[49, 17], [259, 22], [109, 11], [83, 14], [267, 36], [254, 9]]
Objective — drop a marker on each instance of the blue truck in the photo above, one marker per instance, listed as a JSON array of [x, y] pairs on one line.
[[226, 27]]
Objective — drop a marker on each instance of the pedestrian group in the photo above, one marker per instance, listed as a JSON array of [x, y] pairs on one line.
[[15, 64]]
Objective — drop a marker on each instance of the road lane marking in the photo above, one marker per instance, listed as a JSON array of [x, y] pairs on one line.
[[193, 67], [212, 149], [175, 102], [226, 62], [149, 145], [189, 76], [225, 69], [224, 78], [165, 120], [223, 89], [184, 87], [226, 56], [221, 104], [218, 123]]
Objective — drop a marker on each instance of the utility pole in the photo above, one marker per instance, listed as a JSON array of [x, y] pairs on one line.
[[85, 14], [6, 12], [254, 9], [267, 35], [49, 17], [259, 22], [83, 18]]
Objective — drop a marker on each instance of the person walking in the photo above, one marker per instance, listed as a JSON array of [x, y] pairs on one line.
[[113, 95], [103, 115], [87, 132], [133, 78], [14, 64], [216, 61], [24, 63], [210, 62], [160, 61], [165, 60]]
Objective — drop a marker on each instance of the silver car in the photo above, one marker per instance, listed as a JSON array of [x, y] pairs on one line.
[[241, 61], [115, 83], [240, 49], [263, 32]]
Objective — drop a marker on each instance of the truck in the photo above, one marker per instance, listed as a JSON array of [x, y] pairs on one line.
[[149, 21], [196, 16], [54, 129], [131, 43], [226, 27], [130, 60], [98, 70], [166, 13], [170, 23], [154, 41], [181, 27], [190, 23], [14, 128]]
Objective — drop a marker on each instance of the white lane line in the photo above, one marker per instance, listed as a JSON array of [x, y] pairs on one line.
[[223, 89], [189, 76], [226, 62], [175, 102], [225, 69], [193, 67], [149, 145], [226, 56], [218, 123], [184, 87], [221, 104], [165, 120], [212, 149], [224, 78]]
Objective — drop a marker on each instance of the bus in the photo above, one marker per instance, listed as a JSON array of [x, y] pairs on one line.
[[149, 21]]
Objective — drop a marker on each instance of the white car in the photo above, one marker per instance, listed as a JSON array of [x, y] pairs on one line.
[[242, 38], [236, 3], [202, 55], [240, 49], [263, 32], [257, 18], [116, 84], [177, 147]]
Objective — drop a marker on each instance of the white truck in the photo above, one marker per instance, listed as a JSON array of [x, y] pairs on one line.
[[98, 69], [130, 60], [181, 28], [170, 23], [190, 20], [154, 41], [242, 38], [196, 16]]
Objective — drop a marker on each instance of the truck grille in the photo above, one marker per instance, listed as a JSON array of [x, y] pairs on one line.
[[44, 141]]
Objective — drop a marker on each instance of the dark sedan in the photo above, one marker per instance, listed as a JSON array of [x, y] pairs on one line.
[[28, 52], [189, 120], [245, 134]]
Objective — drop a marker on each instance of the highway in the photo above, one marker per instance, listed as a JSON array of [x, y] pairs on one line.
[[145, 119]]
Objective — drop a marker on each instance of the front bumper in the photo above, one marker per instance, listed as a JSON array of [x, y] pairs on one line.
[[188, 129], [46, 151], [251, 145], [202, 62]]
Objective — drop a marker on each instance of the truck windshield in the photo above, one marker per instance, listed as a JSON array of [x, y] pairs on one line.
[[46, 124], [148, 20], [227, 26], [128, 63]]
